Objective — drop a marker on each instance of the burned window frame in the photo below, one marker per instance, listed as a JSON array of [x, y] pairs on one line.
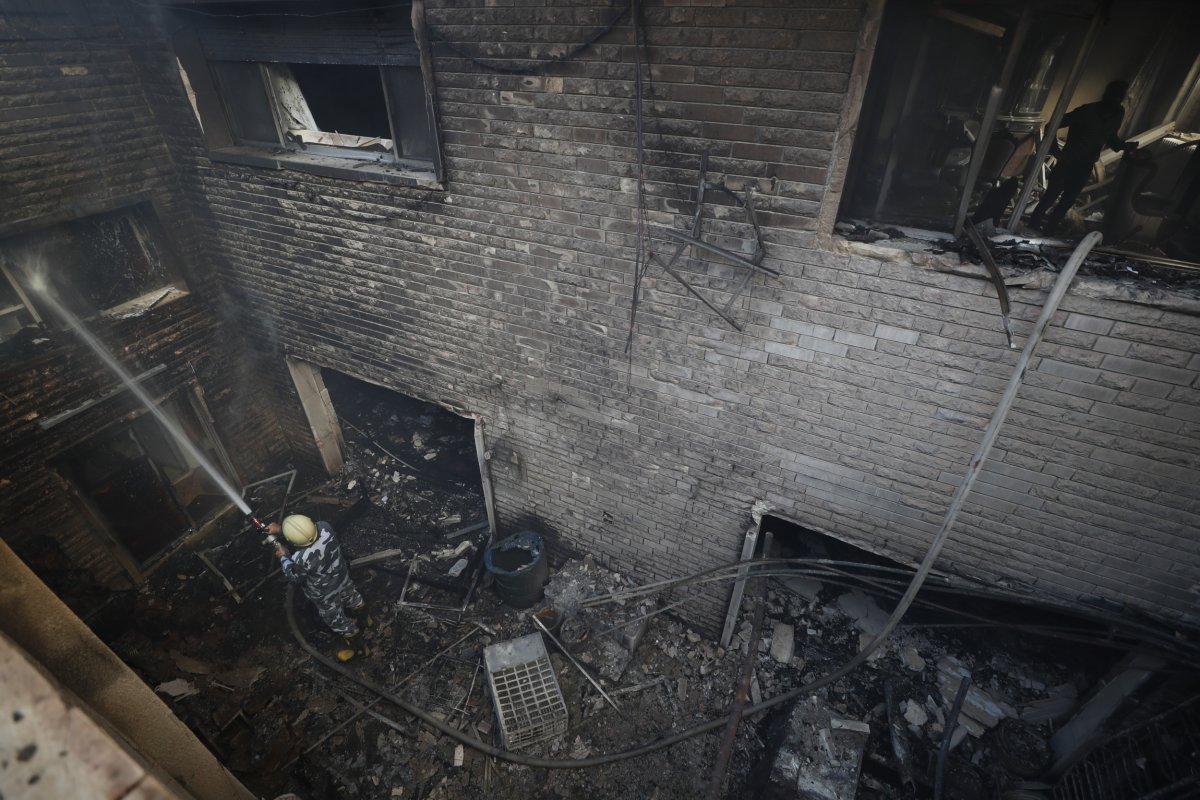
[[991, 186], [187, 397], [144, 222], [22, 310], [410, 155]]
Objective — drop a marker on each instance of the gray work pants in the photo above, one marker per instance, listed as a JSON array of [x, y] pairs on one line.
[[332, 607]]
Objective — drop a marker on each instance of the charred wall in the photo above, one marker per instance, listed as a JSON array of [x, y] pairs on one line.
[[851, 401], [78, 136]]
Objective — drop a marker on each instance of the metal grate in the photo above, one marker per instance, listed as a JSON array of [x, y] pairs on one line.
[[525, 690], [1156, 760]]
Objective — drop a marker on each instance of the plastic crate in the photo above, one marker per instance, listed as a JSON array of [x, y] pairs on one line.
[[529, 701]]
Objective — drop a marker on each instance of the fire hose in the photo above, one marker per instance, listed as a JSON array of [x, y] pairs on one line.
[[935, 548]]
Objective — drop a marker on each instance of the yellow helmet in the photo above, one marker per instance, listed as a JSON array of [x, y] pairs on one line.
[[299, 530]]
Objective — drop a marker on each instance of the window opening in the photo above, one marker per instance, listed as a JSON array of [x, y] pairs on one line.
[[344, 110], [342, 100], [351, 86], [964, 140], [144, 488], [93, 263], [241, 87]]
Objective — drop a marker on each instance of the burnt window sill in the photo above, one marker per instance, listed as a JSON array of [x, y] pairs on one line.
[[327, 166], [145, 303]]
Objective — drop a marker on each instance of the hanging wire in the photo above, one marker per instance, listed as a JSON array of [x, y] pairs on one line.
[[640, 261]]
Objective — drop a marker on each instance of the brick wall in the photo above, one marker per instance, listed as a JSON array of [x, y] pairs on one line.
[[78, 135], [852, 399]]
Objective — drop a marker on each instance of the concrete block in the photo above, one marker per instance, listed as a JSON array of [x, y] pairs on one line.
[[1082, 322], [1087, 390], [1144, 369], [1123, 414], [867, 615], [808, 588], [1064, 370], [820, 756], [804, 328], [789, 351], [1116, 347], [855, 339], [783, 642], [1152, 388], [823, 346], [1184, 411], [894, 334]]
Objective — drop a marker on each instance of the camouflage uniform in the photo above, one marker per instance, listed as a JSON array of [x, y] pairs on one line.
[[325, 580]]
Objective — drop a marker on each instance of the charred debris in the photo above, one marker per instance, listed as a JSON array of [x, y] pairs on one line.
[[977, 693]]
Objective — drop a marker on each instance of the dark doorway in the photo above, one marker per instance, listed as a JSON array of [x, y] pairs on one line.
[[416, 459]]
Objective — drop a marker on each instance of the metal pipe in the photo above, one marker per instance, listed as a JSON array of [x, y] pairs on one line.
[[948, 734], [914, 80], [680, 236], [1060, 109], [997, 279], [988, 124], [485, 478], [732, 322], [578, 666], [740, 698], [749, 543]]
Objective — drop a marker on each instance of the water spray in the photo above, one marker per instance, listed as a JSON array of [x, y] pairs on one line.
[[38, 285]]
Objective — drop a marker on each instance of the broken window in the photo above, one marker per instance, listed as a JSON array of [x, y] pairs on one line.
[[350, 86], [970, 134], [93, 264]]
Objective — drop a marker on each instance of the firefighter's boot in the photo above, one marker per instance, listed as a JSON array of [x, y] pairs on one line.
[[354, 645]]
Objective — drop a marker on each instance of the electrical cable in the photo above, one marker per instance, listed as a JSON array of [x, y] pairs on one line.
[[1142, 633], [1065, 633], [640, 264], [855, 661]]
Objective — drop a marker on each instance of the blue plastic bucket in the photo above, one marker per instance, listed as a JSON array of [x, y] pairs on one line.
[[519, 568]]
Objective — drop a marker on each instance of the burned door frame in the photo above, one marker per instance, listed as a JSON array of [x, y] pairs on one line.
[[95, 519], [326, 429]]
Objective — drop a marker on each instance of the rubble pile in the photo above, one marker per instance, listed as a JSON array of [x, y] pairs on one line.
[[1018, 691], [233, 673], [414, 462]]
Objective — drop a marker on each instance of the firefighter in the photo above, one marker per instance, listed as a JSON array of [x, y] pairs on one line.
[[1092, 126], [318, 566]]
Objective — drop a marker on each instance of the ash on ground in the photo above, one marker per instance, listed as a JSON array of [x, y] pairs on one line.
[[234, 674]]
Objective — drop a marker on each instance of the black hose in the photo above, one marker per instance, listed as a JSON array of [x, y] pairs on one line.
[[948, 734], [595, 761], [1152, 636]]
